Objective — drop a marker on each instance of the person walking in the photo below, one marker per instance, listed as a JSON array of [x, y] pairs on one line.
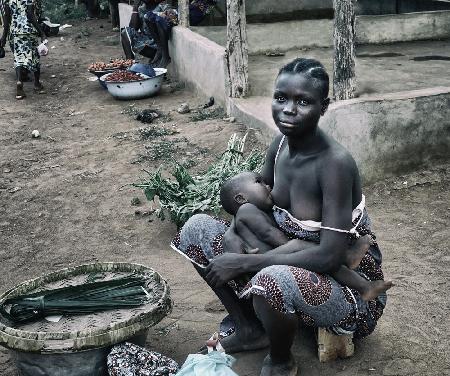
[[22, 27]]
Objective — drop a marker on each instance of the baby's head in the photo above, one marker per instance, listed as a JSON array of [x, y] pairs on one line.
[[247, 187]]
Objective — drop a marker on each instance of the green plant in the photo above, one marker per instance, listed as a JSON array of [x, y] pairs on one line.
[[184, 195], [62, 10]]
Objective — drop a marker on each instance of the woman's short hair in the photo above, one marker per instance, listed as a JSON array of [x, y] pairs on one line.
[[310, 68]]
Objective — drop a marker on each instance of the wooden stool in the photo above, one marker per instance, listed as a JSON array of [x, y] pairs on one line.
[[331, 346]]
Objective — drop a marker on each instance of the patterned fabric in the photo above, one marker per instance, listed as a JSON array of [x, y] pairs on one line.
[[139, 40], [128, 359], [25, 52], [19, 20], [317, 299]]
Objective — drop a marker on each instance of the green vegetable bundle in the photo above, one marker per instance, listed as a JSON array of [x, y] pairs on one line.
[[187, 195], [76, 300]]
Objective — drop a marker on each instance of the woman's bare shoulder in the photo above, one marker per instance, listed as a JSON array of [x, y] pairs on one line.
[[338, 160]]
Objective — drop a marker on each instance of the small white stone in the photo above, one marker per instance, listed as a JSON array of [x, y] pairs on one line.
[[232, 119], [183, 109], [35, 134]]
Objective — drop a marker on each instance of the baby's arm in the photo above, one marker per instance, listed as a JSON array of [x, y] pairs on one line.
[[232, 242], [260, 225]]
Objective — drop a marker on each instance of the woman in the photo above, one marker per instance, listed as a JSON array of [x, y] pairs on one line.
[[137, 38], [160, 25], [316, 189], [22, 25]]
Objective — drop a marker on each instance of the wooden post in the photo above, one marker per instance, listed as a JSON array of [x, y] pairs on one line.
[[344, 81], [237, 49], [183, 13]]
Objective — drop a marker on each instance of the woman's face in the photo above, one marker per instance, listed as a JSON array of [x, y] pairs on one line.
[[297, 104]]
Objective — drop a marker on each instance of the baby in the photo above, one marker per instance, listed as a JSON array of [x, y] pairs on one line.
[[248, 199]]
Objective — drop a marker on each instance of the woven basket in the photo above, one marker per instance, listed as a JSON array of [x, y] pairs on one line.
[[93, 331]]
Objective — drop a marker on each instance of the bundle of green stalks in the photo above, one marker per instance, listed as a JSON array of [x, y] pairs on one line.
[[186, 195], [81, 299]]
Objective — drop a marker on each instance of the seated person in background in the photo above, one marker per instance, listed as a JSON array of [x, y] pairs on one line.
[[248, 199], [160, 25], [137, 38], [92, 8]]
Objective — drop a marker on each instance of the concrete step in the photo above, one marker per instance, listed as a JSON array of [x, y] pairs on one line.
[[255, 112]]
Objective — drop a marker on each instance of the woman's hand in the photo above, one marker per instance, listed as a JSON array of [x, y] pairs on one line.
[[224, 268]]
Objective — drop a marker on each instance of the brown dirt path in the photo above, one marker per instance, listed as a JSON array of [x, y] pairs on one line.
[[64, 201]]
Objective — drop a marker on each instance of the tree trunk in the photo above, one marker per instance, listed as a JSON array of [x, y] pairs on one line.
[[183, 13], [237, 49], [344, 81]]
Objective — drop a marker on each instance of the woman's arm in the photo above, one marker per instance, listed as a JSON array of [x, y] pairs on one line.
[[31, 15], [7, 21], [336, 181]]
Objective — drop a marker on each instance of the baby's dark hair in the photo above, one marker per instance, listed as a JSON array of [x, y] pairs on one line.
[[310, 68], [229, 189]]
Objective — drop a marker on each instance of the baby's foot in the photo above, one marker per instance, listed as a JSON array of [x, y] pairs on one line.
[[357, 251], [375, 288]]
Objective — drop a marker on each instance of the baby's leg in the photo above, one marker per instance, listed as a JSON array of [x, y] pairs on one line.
[[369, 290], [356, 252]]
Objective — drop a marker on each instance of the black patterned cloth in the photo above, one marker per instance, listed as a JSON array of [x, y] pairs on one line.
[[23, 35], [127, 359]]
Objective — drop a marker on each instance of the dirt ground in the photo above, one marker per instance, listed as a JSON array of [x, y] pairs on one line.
[[65, 200]]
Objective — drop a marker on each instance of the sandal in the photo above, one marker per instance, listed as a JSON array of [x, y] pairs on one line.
[[20, 94]]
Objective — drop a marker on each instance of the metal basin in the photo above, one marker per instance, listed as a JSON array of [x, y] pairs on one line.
[[136, 89]]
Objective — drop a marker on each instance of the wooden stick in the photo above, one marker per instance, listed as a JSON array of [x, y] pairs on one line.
[[183, 13], [344, 81], [237, 49]]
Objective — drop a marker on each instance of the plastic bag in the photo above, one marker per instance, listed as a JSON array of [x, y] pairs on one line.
[[213, 364], [42, 48]]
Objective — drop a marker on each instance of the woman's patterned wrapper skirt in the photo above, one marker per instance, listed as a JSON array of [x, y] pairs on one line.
[[317, 299]]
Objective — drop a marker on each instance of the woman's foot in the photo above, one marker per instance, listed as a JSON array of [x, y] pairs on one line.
[[20, 94], [357, 251], [375, 288], [235, 343], [271, 368], [39, 88], [244, 340]]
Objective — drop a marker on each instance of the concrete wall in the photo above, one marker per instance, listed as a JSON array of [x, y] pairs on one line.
[[288, 35], [198, 62], [403, 27], [393, 133], [269, 10], [386, 135]]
